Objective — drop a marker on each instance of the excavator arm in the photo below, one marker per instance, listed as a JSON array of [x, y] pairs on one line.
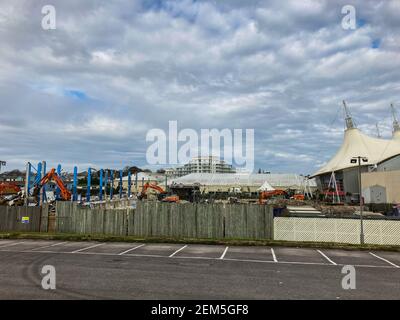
[[52, 175], [165, 198], [265, 195]]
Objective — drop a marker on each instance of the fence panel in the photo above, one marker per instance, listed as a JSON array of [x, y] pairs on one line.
[[248, 221], [383, 232], [20, 219]]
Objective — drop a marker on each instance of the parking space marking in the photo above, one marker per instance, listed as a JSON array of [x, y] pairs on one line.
[[274, 255], [87, 248], [383, 259], [12, 244], [180, 249], [200, 258], [224, 253], [131, 249], [327, 258], [49, 246]]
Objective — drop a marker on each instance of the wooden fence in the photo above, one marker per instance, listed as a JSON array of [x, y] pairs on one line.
[[23, 219], [157, 219]]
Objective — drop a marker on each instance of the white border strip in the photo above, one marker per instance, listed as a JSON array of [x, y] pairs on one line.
[[224, 253], [274, 255], [178, 250], [50, 246], [327, 258], [12, 244], [383, 259], [131, 249], [202, 258], [87, 248]]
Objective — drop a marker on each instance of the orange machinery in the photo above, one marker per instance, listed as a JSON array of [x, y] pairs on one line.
[[7, 188], [52, 175], [265, 195], [163, 195]]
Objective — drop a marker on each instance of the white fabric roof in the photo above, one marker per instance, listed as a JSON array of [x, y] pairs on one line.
[[396, 135], [266, 187], [356, 143], [245, 179]]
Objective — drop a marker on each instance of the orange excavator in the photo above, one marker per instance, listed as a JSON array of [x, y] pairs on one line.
[[52, 175], [163, 195], [265, 195]]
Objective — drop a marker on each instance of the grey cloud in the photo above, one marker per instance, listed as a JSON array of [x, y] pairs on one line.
[[281, 68]]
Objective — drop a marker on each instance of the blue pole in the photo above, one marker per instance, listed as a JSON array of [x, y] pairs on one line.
[[105, 183], [111, 184], [101, 185], [58, 189], [39, 177], [120, 184], [129, 184], [28, 183], [74, 191], [89, 180], [44, 187]]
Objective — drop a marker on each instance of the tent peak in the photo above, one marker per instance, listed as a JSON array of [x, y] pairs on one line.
[[396, 126], [348, 118]]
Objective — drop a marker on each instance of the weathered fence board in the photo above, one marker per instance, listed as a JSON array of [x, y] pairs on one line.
[[158, 219], [11, 219]]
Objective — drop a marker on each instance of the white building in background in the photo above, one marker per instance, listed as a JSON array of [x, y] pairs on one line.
[[208, 164]]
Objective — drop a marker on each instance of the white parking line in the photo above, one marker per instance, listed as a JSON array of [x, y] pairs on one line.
[[52, 245], [178, 251], [383, 259], [200, 258], [12, 244], [274, 255], [327, 258], [87, 248], [223, 255], [131, 249]]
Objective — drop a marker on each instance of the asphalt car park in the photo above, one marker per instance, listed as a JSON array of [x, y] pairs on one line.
[[111, 270], [219, 252]]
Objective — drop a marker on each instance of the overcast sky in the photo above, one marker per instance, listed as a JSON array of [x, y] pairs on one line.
[[87, 93]]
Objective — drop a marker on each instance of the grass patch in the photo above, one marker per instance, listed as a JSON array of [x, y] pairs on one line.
[[228, 242]]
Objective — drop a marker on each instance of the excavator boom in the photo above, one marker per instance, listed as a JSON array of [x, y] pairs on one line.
[[52, 175], [172, 198]]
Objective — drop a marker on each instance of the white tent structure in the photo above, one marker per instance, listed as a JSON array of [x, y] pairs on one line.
[[381, 155], [356, 143], [266, 187], [396, 126], [256, 180]]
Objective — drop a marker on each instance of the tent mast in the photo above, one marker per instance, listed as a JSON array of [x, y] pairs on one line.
[[378, 133], [396, 126], [348, 118]]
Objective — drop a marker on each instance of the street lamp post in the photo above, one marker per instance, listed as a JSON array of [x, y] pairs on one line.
[[358, 160]]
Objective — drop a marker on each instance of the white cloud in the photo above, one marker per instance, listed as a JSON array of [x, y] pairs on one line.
[[281, 68]]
